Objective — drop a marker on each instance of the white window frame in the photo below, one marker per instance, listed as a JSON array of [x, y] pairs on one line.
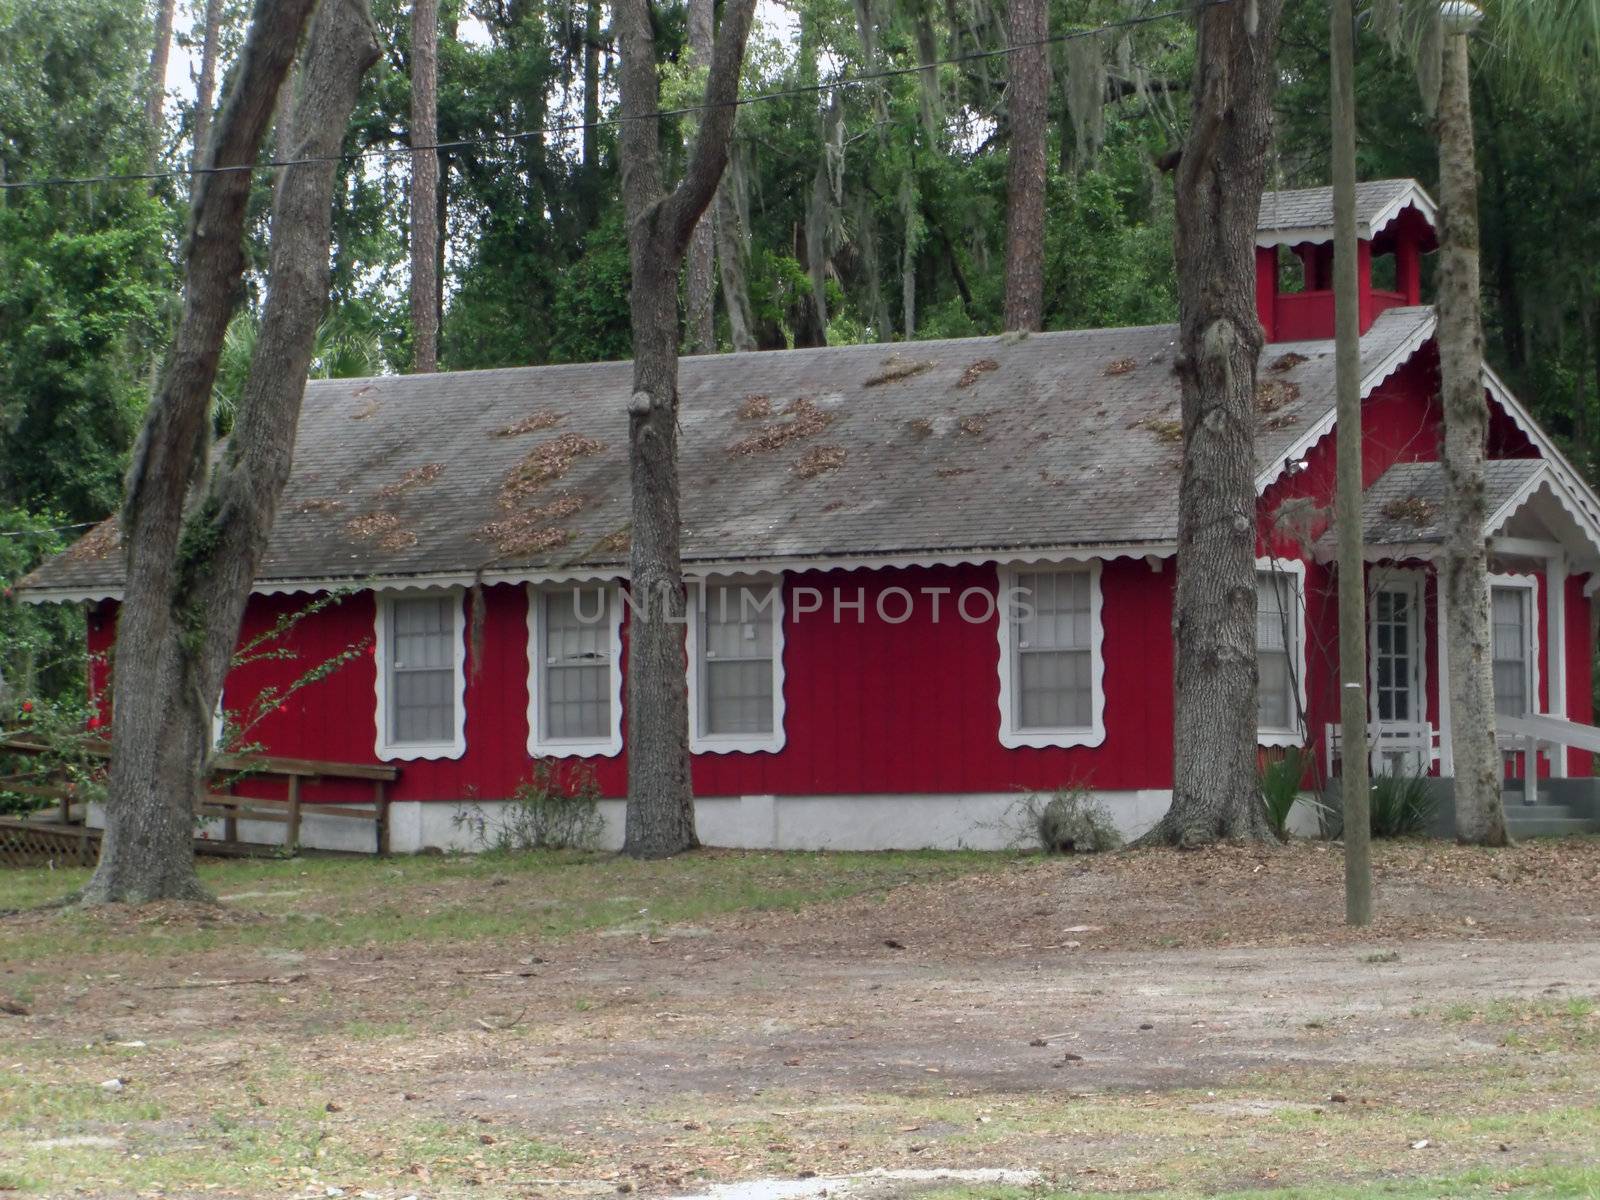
[[1296, 570], [701, 742], [1013, 737], [1530, 583], [540, 746], [386, 750]]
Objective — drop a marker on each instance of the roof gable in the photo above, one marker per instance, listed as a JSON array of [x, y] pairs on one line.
[[1290, 218]]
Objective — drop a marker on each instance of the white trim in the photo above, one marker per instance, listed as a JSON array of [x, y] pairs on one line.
[[540, 746], [1370, 382], [1579, 491], [1297, 569], [1416, 582], [741, 743], [1447, 762], [1530, 583], [1555, 615], [1011, 736], [411, 751], [703, 569], [1296, 235]]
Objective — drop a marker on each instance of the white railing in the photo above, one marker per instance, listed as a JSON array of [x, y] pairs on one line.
[[1393, 747], [1531, 730]]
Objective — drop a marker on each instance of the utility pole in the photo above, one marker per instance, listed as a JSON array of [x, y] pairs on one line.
[[1347, 499]]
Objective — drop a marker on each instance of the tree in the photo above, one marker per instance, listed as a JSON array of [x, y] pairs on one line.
[[206, 87], [156, 93], [699, 289], [660, 819], [1219, 181], [1027, 103], [424, 185], [1347, 500], [190, 566]]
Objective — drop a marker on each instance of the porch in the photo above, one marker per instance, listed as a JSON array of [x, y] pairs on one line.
[[1544, 554]]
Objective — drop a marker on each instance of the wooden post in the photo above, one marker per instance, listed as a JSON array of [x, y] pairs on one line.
[[230, 823], [1530, 771], [292, 838], [380, 800]]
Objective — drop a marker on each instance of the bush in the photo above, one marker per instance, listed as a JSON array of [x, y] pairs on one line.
[[1401, 805], [558, 808], [1279, 781], [1072, 822]]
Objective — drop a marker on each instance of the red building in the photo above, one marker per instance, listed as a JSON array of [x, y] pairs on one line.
[[860, 524]]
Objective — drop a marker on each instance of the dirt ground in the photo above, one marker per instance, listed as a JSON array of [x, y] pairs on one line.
[[1184, 1023]]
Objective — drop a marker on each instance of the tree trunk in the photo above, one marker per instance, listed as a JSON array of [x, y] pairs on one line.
[[1480, 812], [699, 334], [172, 649], [206, 92], [589, 200], [1347, 500], [424, 185], [156, 84], [660, 818], [1027, 101], [733, 258], [1219, 180]]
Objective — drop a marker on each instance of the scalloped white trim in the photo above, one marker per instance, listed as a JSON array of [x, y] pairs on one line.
[[1011, 736]]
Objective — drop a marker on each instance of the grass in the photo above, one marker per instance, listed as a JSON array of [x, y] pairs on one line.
[[322, 903]]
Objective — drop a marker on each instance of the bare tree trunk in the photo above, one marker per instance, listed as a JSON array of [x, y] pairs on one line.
[[424, 186], [699, 328], [206, 91], [1220, 175], [1480, 812], [660, 818], [156, 85], [1027, 101], [1347, 500], [187, 577]]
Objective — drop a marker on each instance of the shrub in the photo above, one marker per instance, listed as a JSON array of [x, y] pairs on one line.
[[1279, 780], [1072, 822], [1401, 805], [557, 808]]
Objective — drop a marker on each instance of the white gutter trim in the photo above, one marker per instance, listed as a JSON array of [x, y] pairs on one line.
[[1296, 235], [692, 570]]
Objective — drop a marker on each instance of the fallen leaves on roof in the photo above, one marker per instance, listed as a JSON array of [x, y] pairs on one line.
[[1273, 394], [382, 528], [974, 424], [801, 419], [1287, 362], [819, 459], [545, 463], [319, 504], [896, 367], [98, 543], [755, 407], [539, 418], [920, 427], [414, 478], [1412, 510], [1166, 429], [976, 371], [1120, 366]]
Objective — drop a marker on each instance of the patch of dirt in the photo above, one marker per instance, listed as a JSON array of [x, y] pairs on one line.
[[819, 460], [539, 419], [544, 464], [977, 371], [414, 478], [800, 419]]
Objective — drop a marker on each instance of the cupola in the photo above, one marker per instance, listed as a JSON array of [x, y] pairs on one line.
[[1395, 227]]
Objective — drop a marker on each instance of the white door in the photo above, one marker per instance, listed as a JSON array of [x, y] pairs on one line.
[[1402, 742]]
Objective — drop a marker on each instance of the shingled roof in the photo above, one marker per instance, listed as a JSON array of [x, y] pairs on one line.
[[1306, 214], [1406, 504], [985, 447]]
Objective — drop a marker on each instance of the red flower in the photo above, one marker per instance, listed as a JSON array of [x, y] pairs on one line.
[[283, 708], [27, 706], [95, 722]]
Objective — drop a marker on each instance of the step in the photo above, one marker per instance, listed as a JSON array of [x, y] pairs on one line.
[[1549, 826], [1517, 810]]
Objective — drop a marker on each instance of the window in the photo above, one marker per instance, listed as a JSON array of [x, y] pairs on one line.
[[421, 653], [1511, 636], [1280, 652], [1050, 665], [575, 671], [736, 676]]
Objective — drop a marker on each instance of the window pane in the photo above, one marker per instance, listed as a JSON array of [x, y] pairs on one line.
[[576, 664], [1060, 603], [736, 650], [1277, 642], [1510, 640], [422, 677], [1053, 689]]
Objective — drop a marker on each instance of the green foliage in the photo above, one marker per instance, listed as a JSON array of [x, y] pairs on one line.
[[1071, 821], [41, 648], [1279, 779], [59, 726], [556, 808], [1401, 805]]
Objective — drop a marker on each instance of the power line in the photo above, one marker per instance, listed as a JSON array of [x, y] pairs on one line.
[[578, 126], [46, 529]]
